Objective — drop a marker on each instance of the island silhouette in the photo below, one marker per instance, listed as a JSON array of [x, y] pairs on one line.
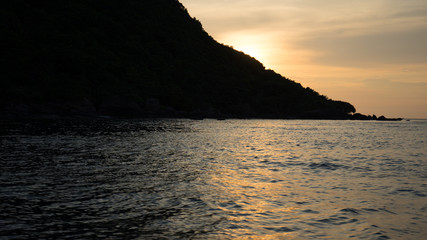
[[137, 58]]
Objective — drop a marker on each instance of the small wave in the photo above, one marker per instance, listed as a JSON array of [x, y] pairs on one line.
[[280, 229], [327, 166], [310, 211], [350, 210], [412, 191], [381, 235], [370, 209], [364, 210], [338, 220]]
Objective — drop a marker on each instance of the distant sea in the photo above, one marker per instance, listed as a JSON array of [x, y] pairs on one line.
[[211, 179]]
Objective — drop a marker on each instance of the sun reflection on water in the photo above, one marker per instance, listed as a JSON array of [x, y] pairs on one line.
[[279, 182], [233, 179]]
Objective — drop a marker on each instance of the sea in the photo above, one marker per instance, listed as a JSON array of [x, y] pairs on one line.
[[213, 179]]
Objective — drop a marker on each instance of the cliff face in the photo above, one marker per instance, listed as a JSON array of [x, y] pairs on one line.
[[138, 58]]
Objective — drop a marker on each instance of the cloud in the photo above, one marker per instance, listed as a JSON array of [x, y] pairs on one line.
[[363, 33], [401, 47], [333, 46]]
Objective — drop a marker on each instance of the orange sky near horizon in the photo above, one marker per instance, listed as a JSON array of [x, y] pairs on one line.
[[371, 53]]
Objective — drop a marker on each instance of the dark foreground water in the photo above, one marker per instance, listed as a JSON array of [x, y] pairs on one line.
[[183, 179]]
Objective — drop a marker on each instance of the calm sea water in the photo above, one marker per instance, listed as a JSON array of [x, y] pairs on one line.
[[184, 179]]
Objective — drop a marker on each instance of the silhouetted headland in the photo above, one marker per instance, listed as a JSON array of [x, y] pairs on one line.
[[137, 59]]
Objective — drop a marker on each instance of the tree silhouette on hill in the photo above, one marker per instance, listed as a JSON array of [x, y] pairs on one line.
[[138, 58]]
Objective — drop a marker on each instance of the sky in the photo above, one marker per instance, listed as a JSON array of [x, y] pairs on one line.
[[370, 53]]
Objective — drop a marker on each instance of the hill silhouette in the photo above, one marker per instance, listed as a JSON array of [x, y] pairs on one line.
[[137, 58]]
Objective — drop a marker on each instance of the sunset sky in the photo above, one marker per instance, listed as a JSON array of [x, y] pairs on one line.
[[371, 53]]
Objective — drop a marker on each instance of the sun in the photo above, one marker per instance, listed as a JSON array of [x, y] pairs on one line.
[[251, 50], [254, 45]]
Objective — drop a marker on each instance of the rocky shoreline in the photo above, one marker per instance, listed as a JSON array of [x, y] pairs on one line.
[[122, 108]]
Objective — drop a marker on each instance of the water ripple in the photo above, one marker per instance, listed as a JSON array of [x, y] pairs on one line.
[[183, 179]]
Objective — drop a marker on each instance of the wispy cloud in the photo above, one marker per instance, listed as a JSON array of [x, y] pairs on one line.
[[333, 45], [371, 31], [368, 50]]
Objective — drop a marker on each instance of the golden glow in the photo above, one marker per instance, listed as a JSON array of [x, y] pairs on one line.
[[254, 45], [265, 179], [236, 185], [251, 50], [369, 53]]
